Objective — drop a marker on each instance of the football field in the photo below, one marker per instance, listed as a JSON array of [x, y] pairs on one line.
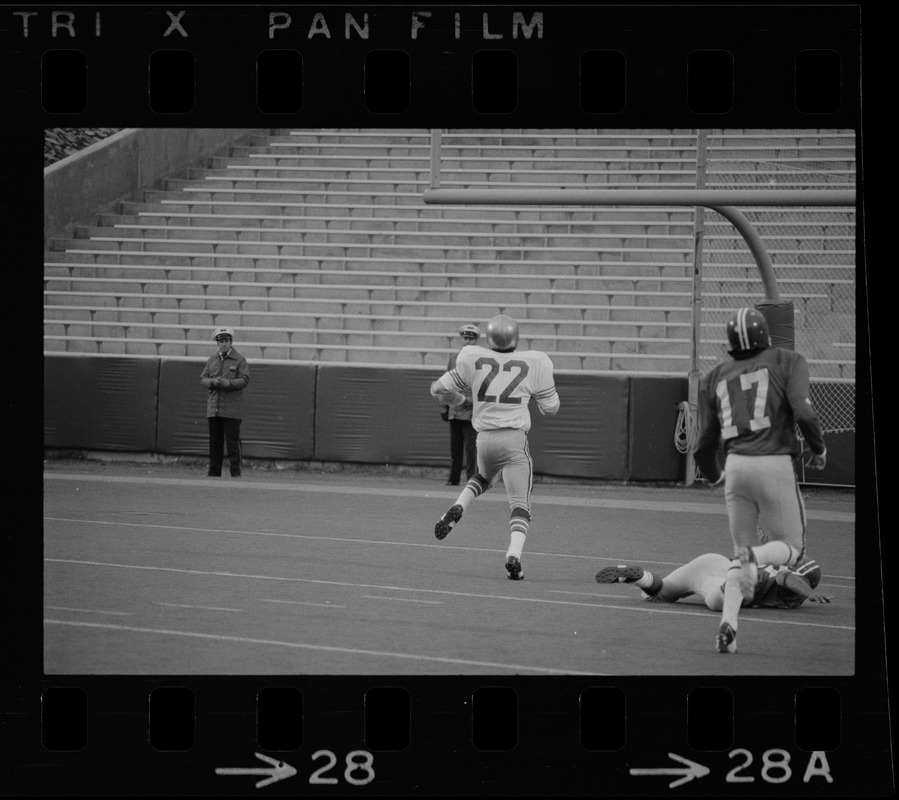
[[159, 570]]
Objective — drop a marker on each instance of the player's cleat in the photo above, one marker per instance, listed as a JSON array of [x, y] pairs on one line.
[[619, 574], [727, 639], [749, 573], [447, 521], [513, 567]]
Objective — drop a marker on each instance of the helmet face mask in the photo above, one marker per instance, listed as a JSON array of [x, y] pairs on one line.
[[502, 333], [747, 331]]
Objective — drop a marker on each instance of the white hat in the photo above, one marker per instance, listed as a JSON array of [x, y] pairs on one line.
[[222, 332], [470, 329]]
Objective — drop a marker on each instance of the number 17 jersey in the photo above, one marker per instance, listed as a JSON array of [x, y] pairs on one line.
[[502, 384], [754, 405]]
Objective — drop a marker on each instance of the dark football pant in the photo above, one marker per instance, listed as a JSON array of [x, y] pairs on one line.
[[463, 443], [222, 431]]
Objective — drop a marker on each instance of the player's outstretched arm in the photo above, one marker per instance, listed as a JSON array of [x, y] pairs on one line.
[[796, 584]]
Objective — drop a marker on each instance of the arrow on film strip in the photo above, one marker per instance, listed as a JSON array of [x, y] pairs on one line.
[[278, 771], [689, 771]]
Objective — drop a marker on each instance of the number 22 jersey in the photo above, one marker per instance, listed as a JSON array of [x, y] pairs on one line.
[[502, 384]]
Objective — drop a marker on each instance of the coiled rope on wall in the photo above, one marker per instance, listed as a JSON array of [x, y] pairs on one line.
[[685, 429]]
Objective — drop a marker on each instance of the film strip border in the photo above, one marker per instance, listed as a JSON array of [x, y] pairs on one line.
[[412, 737], [439, 66], [718, 66]]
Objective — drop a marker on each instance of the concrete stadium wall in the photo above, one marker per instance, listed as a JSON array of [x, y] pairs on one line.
[[116, 168], [610, 428]]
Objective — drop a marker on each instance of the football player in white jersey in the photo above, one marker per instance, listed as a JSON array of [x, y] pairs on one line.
[[502, 380]]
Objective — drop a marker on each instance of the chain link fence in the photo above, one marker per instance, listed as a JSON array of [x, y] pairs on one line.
[[812, 250]]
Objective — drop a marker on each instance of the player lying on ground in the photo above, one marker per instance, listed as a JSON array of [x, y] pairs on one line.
[[776, 587]]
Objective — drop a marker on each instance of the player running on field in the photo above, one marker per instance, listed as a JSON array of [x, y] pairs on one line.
[[502, 381], [704, 576], [751, 405]]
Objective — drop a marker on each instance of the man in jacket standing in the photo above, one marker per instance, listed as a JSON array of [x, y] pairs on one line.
[[225, 376]]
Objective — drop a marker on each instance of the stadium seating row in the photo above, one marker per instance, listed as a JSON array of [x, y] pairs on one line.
[[318, 246]]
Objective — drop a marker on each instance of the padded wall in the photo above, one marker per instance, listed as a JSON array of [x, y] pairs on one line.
[[841, 460], [100, 403], [588, 437], [278, 411], [780, 317], [652, 420], [608, 427], [379, 416], [182, 409]]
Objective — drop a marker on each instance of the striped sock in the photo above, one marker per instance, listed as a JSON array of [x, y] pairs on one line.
[[518, 527], [733, 597], [649, 583], [473, 489]]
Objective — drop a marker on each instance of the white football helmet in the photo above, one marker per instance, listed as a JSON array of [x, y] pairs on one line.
[[502, 333]]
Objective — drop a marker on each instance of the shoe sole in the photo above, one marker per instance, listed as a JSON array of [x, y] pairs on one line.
[[447, 521], [619, 574], [726, 641], [749, 573], [514, 570]]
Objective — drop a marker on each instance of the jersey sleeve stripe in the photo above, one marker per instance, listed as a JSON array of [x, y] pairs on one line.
[[457, 381]]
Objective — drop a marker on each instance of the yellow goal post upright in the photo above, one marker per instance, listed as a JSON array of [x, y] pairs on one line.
[[726, 202]]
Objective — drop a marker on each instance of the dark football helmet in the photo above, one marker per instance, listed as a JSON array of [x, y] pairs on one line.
[[810, 572], [502, 333], [748, 330]]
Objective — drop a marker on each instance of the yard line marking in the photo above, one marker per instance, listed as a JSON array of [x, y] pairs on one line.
[[345, 540], [471, 595], [585, 502], [90, 611], [678, 608], [403, 599], [340, 539], [301, 603], [352, 651], [201, 608]]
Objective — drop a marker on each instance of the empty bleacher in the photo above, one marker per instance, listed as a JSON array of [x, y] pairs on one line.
[[317, 246]]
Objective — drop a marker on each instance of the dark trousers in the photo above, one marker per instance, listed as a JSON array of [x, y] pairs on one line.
[[463, 442], [222, 431]]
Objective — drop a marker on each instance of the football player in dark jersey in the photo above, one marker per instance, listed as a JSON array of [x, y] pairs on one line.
[[705, 575], [749, 407]]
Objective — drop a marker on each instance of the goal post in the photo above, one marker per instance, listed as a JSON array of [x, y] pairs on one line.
[[729, 203]]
